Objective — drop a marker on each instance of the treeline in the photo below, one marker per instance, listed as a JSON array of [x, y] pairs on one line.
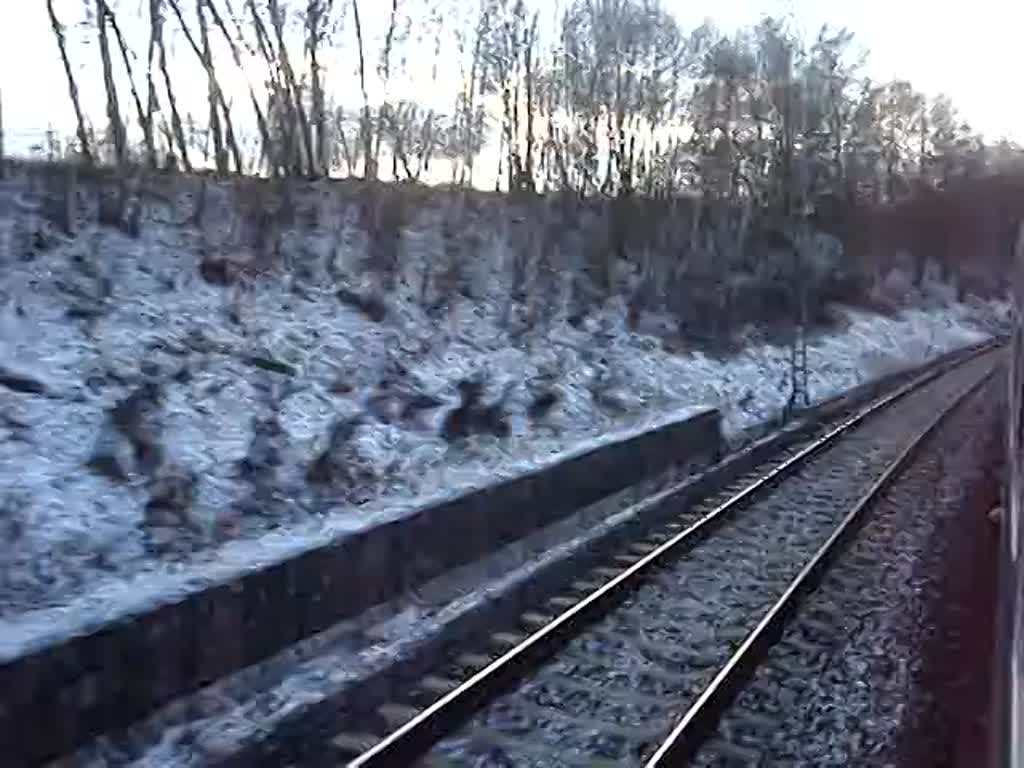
[[601, 97]]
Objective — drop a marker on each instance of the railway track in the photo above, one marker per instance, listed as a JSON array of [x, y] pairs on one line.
[[846, 682], [636, 660]]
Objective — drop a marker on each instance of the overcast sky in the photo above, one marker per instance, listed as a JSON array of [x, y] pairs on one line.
[[972, 51]]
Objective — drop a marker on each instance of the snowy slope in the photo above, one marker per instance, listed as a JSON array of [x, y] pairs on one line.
[[260, 373]]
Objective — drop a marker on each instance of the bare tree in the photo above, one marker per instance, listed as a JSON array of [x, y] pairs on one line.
[[414, 134], [507, 52], [292, 92], [317, 13], [384, 72], [143, 114], [279, 102], [116, 124], [471, 116], [152, 103], [219, 154], [261, 121], [829, 79], [176, 129], [621, 64], [530, 77], [949, 141], [216, 93], [620, 103], [342, 122], [366, 125], [901, 108], [58, 33]]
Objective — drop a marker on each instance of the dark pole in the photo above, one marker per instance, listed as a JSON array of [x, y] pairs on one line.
[[1007, 746]]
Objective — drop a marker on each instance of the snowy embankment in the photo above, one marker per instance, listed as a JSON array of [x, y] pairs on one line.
[[149, 416]]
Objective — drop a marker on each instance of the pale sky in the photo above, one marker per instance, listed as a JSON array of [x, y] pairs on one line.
[[972, 52]]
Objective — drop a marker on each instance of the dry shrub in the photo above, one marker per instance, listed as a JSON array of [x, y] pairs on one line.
[[260, 211], [537, 241], [56, 184], [451, 278], [384, 212]]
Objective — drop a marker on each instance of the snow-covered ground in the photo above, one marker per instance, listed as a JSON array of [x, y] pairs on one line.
[[149, 417]]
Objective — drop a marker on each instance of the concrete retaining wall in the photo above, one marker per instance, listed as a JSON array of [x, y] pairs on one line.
[[72, 690]]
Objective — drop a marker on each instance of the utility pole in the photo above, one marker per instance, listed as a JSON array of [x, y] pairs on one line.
[[794, 197]]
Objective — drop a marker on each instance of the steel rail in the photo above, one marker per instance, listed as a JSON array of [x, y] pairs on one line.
[[403, 745], [702, 718]]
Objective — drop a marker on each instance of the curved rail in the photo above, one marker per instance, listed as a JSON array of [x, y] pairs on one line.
[[701, 720], [403, 745]]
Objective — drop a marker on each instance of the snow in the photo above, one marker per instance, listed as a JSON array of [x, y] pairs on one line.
[[79, 540]]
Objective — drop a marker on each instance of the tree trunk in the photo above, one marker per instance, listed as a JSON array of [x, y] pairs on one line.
[[144, 123], [176, 125], [58, 32], [501, 158], [314, 20], [346, 153], [506, 100], [891, 157], [385, 74], [427, 150], [468, 139], [924, 148], [294, 96], [606, 185], [214, 84], [625, 172], [366, 129], [220, 157], [278, 158], [528, 56], [837, 155], [624, 166], [261, 121], [514, 156], [152, 104], [113, 107]]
